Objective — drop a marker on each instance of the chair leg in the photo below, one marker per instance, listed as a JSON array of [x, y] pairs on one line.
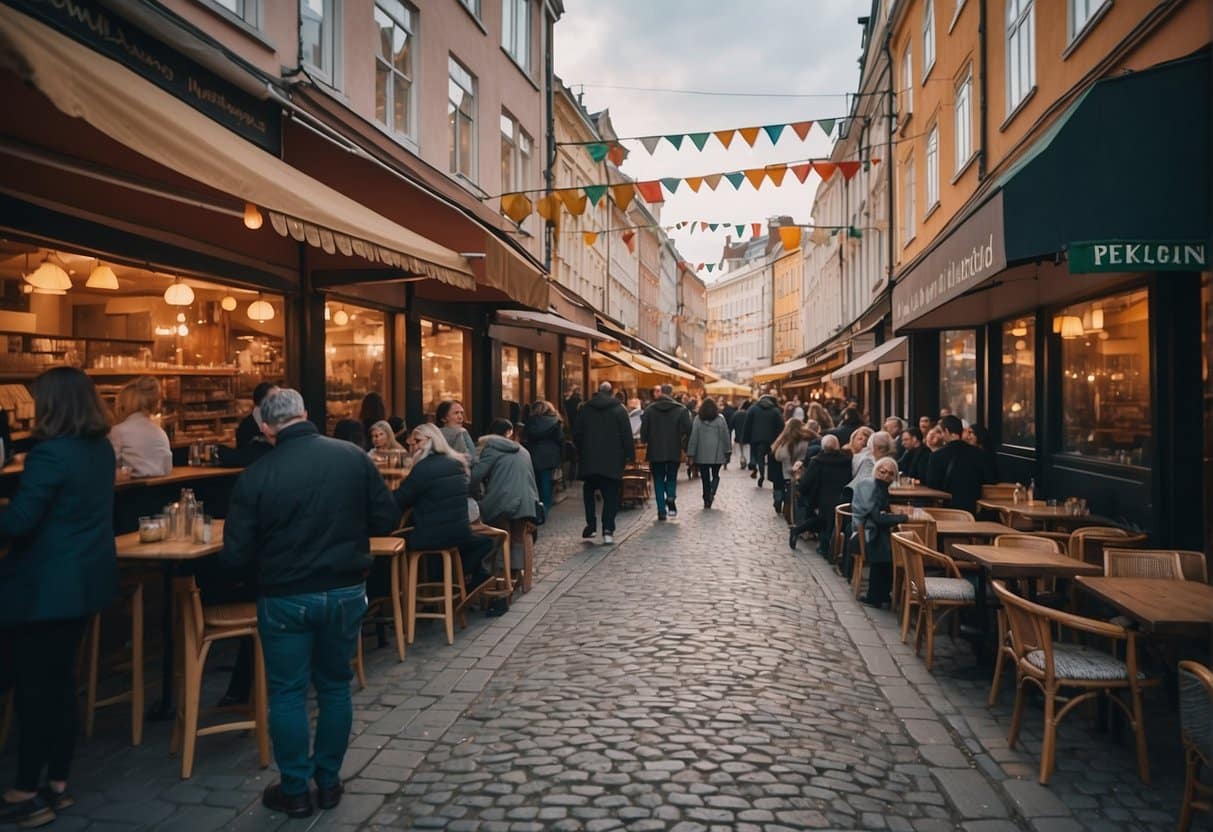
[[94, 662], [920, 628], [528, 561], [261, 704], [999, 658], [397, 611], [857, 575], [410, 603], [905, 619], [359, 667], [448, 604], [1139, 731], [930, 635], [190, 695], [1048, 748], [1191, 775], [137, 691], [1016, 714]]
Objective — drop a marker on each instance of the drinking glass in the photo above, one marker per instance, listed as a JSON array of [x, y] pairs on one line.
[[202, 528]]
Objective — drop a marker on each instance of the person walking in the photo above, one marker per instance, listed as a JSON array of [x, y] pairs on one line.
[[736, 426], [762, 426], [789, 447], [709, 447], [603, 437], [543, 435], [303, 516], [664, 429], [60, 570]]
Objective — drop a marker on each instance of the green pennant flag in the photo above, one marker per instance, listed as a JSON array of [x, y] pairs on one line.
[[595, 193], [740, 231], [773, 131], [826, 124], [676, 140], [834, 232], [671, 183], [713, 225], [598, 150], [854, 233], [735, 178], [700, 139], [710, 267]]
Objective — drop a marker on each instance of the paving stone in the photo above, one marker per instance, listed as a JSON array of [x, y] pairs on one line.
[[971, 793]]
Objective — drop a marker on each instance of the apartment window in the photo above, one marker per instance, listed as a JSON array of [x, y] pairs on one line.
[[932, 167], [964, 121], [516, 31], [246, 10], [928, 38], [472, 6], [1021, 51], [907, 202], [1080, 14], [461, 119], [907, 84], [397, 24], [318, 37]]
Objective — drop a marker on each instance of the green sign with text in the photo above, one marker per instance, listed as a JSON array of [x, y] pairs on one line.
[[1137, 256]]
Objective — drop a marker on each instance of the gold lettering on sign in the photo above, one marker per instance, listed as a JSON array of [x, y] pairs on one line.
[[218, 99], [105, 28]]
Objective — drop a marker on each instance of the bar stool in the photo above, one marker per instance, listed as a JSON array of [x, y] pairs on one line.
[[501, 585], [202, 627], [134, 602], [450, 593], [390, 547]]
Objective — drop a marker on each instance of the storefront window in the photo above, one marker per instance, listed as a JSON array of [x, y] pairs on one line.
[[541, 375], [511, 383], [442, 364], [572, 374], [1019, 382], [1105, 363], [354, 363], [958, 372]]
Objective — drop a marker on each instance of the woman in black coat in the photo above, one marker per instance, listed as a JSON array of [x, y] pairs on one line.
[[543, 437], [61, 569]]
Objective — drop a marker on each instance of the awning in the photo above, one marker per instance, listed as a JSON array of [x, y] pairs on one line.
[[778, 371], [658, 367], [509, 272], [724, 387], [548, 322], [117, 102], [892, 350], [623, 359]]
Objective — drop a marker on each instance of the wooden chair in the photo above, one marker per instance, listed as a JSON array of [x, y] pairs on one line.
[[501, 585], [999, 491], [450, 594], [1143, 563], [1005, 651], [1196, 730], [1052, 667], [925, 531], [949, 514], [202, 627], [858, 559], [935, 597], [1086, 543], [1194, 565], [842, 515], [133, 601]]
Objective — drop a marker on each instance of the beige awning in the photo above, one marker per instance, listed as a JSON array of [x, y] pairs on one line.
[[658, 367], [549, 322], [724, 387], [892, 350], [623, 360], [117, 102], [778, 371]]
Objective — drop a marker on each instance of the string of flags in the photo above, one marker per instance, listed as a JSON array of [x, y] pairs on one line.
[[616, 153]]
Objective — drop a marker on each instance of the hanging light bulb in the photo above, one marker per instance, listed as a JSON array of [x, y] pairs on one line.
[[228, 303], [101, 277], [260, 311], [183, 330], [180, 317], [1020, 329], [178, 294], [49, 279], [252, 217], [341, 317]]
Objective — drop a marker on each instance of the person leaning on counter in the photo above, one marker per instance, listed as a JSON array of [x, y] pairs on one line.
[[139, 443], [61, 569]]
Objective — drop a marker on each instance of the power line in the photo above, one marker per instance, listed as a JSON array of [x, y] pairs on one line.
[[728, 93]]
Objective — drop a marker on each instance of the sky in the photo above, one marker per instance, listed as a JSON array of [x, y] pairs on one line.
[[804, 48]]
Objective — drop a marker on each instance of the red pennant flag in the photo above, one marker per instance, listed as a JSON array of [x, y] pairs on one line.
[[802, 171], [703, 226], [801, 128], [824, 169], [698, 266], [650, 191], [874, 161], [848, 169], [756, 229], [629, 240], [616, 154]]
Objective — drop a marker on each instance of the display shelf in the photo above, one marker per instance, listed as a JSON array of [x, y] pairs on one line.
[[109, 372]]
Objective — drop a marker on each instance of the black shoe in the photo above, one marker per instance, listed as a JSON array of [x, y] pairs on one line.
[[661, 517], [291, 805], [753, 473], [672, 508], [589, 531], [27, 814], [760, 482], [328, 798], [792, 538], [57, 800]]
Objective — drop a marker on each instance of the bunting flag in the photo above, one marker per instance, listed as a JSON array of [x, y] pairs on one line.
[[820, 236], [789, 235], [735, 179], [623, 194], [590, 237], [614, 151], [849, 169], [712, 180], [548, 207], [693, 182], [617, 154], [515, 206], [802, 171], [750, 134], [854, 233], [756, 229], [824, 169], [650, 191], [675, 139], [671, 184], [773, 131], [801, 128], [698, 139], [574, 202], [629, 240], [595, 193], [776, 173], [725, 137], [740, 231], [713, 225], [827, 125], [650, 143], [756, 175]]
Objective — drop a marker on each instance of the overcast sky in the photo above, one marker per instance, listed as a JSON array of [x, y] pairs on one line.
[[767, 46]]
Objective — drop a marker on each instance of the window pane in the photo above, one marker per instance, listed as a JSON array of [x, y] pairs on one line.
[[315, 33], [511, 380], [354, 359], [1105, 382], [400, 104], [1019, 382], [381, 92], [958, 372], [441, 365]]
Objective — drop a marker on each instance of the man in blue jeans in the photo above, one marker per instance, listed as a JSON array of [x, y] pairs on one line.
[[664, 429], [303, 515]]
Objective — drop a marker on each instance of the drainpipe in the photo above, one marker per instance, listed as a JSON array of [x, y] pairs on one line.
[[890, 162], [982, 83], [549, 173]]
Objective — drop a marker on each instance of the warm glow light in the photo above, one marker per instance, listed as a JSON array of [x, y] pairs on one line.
[[1071, 327], [1096, 319], [228, 303], [1057, 324], [328, 313], [178, 294], [1016, 407], [1091, 379], [102, 277], [252, 217], [183, 330], [49, 279], [260, 311], [1021, 345], [341, 317], [1020, 329]]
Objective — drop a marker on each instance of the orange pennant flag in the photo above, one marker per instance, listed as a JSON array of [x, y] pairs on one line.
[[755, 175], [725, 137], [824, 169], [789, 235], [574, 200], [548, 207], [617, 154], [776, 173], [756, 229], [703, 226], [623, 195], [712, 180], [650, 191], [801, 128], [848, 169], [802, 171], [629, 240], [750, 134], [694, 182], [590, 237], [515, 206]]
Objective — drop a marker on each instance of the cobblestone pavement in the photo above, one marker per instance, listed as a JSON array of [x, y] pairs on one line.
[[696, 676]]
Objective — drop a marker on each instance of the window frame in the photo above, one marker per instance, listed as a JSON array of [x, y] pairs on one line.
[[909, 208], [471, 176], [1075, 31], [1023, 24], [330, 75], [907, 74], [965, 85], [472, 7], [928, 39], [509, 26], [248, 18], [412, 30], [932, 168]]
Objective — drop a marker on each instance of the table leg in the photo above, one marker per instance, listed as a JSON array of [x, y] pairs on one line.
[[164, 709], [397, 607], [979, 642]]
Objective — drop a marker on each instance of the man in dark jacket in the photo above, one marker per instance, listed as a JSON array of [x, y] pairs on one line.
[[604, 443], [303, 516], [849, 421], [821, 485], [913, 463], [763, 424], [957, 467], [664, 428]]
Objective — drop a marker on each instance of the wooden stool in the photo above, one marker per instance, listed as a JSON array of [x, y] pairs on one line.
[[450, 593], [202, 627], [501, 585], [134, 601]]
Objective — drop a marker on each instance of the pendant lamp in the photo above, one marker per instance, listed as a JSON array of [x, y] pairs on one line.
[[260, 311], [228, 303], [341, 317], [1071, 327], [101, 277], [49, 279], [178, 294]]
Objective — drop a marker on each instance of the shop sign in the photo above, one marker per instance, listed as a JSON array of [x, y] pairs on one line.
[[1137, 256], [93, 25], [971, 254]]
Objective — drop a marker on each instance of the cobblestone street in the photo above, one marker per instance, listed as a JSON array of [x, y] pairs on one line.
[[696, 676]]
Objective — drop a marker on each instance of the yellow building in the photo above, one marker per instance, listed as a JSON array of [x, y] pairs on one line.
[[788, 274]]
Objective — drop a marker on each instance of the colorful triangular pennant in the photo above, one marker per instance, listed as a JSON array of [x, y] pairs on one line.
[[849, 169], [712, 180], [675, 139], [801, 128], [650, 143], [789, 235], [735, 178], [598, 150], [595, 193], [515, 206], [824, 169], [802, 171], [725, 137], [750, 134], [693, 182], [623, 194], [617, 154], [589, 237], [629, 238], [756, 229], [827, 125], [650, 191], [573, 201], [756, 175], [671, 184], [776, 173], [773, 131], [740, 230], [699, 139]]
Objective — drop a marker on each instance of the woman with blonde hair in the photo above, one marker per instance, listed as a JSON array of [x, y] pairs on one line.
[[818, 413], [139, 443], [383, 438], [543, 436]]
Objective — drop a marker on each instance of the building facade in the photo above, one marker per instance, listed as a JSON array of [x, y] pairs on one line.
[[739, 314], [579, 267], [692, 315], [787, 275], [649, 273]]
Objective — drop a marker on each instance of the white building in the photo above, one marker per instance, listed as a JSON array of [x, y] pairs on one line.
[[668, 297], [739, 320]]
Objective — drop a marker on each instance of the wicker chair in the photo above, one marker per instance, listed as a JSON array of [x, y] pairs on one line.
[[1143, 563], [935, 597], [1053, 666], [1005, 650], [859, 559], [842, 512], [1087, 543], [925, 532], [1196, 729], [949, 514]]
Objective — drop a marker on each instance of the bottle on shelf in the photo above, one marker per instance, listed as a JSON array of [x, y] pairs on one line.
[[1032, 490]]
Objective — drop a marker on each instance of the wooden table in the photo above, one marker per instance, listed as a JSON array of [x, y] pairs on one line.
[[971, 528], [1048, 515], [1023, 562], [181, 474], [169, 554], [393, 547], [1159, 605], [918, 492]]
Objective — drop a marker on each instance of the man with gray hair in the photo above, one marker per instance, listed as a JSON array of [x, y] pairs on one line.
[[303, 516], [821, 488]]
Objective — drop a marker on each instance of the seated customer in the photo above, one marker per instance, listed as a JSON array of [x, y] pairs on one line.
[[870, 510], [139, 443], [383, 439], [437, 492], [913, 463], [504, 470], [251, 444], [350, 430]]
